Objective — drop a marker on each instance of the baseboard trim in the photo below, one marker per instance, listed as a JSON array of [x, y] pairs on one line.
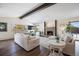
[[7, 39]]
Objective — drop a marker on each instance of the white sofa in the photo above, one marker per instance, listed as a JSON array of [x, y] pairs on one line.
[[25, 41], [44, 41]]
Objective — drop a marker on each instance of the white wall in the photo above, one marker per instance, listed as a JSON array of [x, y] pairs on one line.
[[41, 27], [10, 25], [9, 33]]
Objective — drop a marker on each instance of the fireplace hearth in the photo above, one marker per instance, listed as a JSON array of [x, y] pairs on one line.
[[49, 32]]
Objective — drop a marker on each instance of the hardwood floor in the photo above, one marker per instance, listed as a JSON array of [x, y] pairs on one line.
[[10, 48]]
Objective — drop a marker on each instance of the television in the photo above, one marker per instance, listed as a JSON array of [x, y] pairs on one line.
[[30, 27]]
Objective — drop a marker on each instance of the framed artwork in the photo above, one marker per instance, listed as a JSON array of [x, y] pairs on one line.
[[3, 27]]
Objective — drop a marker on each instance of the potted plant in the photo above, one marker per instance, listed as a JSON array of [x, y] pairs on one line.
[[68, 29]]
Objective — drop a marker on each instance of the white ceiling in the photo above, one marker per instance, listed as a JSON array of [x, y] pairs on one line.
[[15, 9], [57, 11]]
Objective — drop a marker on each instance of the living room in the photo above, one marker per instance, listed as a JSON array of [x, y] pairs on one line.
[[32, 31]]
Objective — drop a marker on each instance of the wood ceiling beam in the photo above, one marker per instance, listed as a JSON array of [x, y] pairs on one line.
[[41, 7]]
